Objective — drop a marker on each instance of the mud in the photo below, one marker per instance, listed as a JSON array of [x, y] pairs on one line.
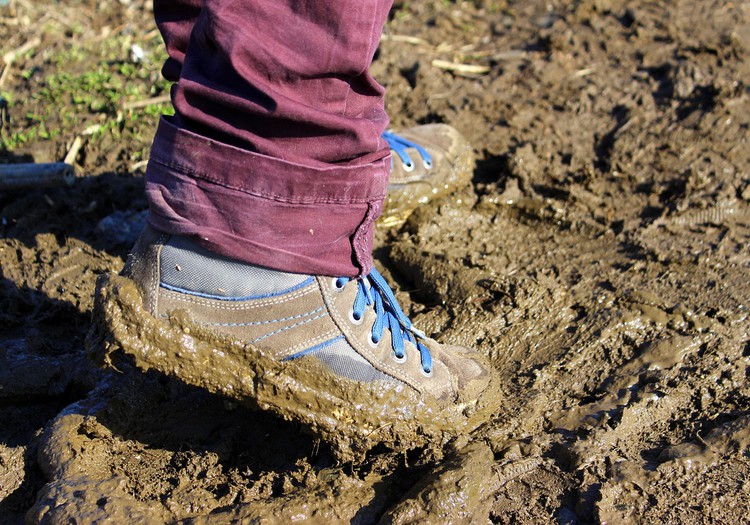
[[351, 416], [599, 260]]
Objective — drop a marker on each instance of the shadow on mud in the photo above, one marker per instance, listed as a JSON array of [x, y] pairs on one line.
[[177, 448], [42, 369], [105, 210], [159, 412]]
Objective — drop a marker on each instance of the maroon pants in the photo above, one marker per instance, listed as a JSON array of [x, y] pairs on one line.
[[274, 155]]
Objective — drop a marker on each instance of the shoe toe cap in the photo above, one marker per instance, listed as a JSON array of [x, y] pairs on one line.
[[467, 374]]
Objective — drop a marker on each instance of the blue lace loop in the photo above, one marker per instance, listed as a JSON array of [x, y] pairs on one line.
[[399, 145], [374, 291]]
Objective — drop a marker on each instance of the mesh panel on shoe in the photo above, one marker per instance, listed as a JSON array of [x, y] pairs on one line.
[[341, 358], [187, 266]]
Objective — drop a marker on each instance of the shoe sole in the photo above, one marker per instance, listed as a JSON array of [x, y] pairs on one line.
[[351, 416]]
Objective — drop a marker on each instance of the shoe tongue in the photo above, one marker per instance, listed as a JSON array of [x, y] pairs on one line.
[[185, 265]]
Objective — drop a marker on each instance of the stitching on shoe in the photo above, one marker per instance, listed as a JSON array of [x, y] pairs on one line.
[[295, 325], [159, 244], [259, 323], [310, 342], [241, 306]]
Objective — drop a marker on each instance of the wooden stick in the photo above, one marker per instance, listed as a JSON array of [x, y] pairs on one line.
[[11, 56], [457, 67], [138, 165], [416, 41], [25, 176], [137, 104], [70, 158], [9, 20], [512, 54]]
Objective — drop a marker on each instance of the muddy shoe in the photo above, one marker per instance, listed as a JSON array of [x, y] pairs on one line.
[[336, 354], [428, 162]]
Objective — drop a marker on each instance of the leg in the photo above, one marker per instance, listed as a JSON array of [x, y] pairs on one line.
[[263, 189], [175, 20], [286, 127]]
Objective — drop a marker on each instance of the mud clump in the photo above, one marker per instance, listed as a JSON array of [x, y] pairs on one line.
[[115, 463], [458, 491], [599, 258], [351, 416]]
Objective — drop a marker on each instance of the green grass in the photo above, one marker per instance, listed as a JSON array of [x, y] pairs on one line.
[[71, 89]]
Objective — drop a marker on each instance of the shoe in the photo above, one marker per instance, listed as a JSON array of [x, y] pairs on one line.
[[336, 354], [428, 162]]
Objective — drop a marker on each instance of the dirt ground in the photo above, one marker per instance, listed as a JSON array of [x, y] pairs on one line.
[[600, 259]]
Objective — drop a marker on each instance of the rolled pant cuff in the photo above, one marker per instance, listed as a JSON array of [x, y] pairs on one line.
[[263, 210]]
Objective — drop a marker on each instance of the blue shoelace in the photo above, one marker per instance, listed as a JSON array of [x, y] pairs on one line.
[[373, 290], [399, 145]]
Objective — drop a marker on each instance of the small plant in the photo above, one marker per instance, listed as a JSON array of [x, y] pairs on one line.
[[84, 86]]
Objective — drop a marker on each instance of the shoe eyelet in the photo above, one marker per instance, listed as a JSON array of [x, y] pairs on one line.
[[354, 320], [335, 285], [400, 360], [373, 343], [408, 166], [425, 372], [427, 164]]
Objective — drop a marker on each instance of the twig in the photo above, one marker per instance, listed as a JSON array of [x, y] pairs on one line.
[[108, 31], [584, 72], [22, 176], [136, 104], [70, 158], [513, 54], [9, 21], [460, 68], [152, 34], [93, 128], [444, 47], [406, 39], [138, 165], [12, 55]]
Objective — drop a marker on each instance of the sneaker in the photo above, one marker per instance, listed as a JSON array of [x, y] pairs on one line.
[[336, 354], [429, 161]]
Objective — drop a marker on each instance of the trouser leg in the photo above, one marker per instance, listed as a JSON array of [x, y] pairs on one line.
[[175, 20], [274, 155]]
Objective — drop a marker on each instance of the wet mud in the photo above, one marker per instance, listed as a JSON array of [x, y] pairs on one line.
[[599, 260], [351, 416]]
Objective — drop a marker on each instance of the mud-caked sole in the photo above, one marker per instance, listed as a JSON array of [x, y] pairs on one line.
[[351, 416]]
